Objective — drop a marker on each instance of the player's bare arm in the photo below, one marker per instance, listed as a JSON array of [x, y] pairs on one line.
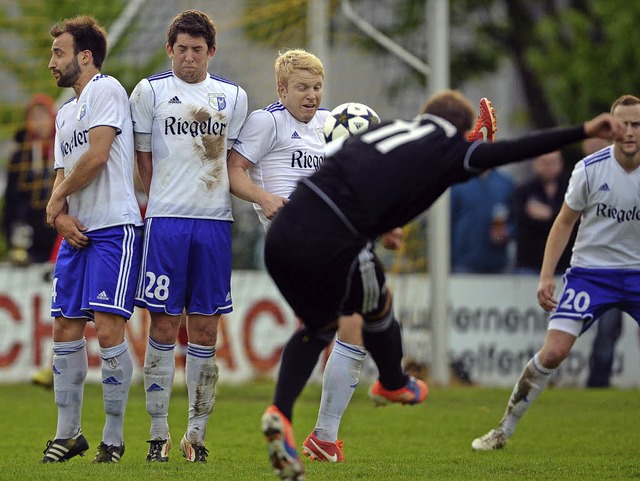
[[242, 187], [556, 243], [145, 169], [87, 169]]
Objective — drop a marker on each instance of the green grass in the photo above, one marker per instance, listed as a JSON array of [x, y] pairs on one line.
[[570, 434]]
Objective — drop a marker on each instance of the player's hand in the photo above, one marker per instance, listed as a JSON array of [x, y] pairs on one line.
[[392, 240], [546, 288], [72, 230], [271, 204], [605, 126], [54, 208]]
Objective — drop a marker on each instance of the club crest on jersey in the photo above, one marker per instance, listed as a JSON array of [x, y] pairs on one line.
[[217, 101], [320, 133], [83, 111]]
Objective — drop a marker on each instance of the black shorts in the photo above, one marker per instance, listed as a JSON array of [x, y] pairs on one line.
[[322, 269]]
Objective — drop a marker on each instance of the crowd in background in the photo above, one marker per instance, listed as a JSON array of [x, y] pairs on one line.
[[498, 225]]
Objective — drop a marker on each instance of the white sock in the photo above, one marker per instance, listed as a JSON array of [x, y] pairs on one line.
[[341, 375], [532, 381], [159, 371], [201, 376], [70, 365], [117, 369]]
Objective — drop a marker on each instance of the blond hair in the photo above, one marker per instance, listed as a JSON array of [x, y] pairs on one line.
[[296, 59]]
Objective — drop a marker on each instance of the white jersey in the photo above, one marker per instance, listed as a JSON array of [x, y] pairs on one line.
[[282, 149], [609, 199], [192, 127], [109, 199]]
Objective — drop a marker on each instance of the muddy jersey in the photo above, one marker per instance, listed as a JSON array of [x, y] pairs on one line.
[[192, 126], [609, 198], [282, 149], [109, 199]]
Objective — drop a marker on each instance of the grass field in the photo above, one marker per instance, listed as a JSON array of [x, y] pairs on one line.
[[570, 434]]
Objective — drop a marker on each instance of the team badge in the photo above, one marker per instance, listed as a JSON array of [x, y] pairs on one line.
[[217, 101], [320, 133], [83, 111]]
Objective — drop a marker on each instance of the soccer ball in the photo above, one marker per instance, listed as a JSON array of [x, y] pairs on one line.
[[349, 119]]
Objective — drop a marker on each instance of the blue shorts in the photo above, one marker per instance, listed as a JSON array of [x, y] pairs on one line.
[[100, 277], [589, 293], [186, 264]]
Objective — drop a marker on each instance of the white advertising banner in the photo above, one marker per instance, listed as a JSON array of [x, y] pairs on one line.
[[496, 326]]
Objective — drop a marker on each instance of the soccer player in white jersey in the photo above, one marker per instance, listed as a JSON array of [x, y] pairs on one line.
[[279, 145], [93, 206], [185, 120], [605, 265]]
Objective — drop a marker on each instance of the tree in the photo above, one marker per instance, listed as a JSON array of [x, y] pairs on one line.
[[573, 57], [27, 50]]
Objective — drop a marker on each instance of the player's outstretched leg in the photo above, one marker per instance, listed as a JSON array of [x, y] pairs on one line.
[[413, 392], [486, 125], [532, 381], [319, 450], [341, 376], [282, 446]]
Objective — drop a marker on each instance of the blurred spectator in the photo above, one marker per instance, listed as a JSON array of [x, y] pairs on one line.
[[480, 224], [29, 182], [609, 325], [608, 330], [536, 204]]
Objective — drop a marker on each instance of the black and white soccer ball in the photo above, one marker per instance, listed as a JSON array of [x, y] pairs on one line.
[[349, 119]]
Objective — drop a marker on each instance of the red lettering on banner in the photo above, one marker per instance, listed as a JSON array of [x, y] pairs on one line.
[[263, 364], [224, 349], [8, 305], [43, 330]]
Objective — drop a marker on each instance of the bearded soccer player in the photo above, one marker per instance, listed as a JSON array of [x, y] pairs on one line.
[[93, 206]]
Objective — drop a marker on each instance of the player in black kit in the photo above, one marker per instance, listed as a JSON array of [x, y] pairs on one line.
[[319, 249]]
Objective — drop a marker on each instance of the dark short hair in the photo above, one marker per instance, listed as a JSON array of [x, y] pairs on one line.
[[453, 106], [194, 23], [87, 34], [625, 100]]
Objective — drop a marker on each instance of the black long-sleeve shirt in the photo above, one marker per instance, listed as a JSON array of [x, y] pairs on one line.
[[393, 172]]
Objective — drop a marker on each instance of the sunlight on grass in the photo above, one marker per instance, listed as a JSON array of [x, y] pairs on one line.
[[570, 434]]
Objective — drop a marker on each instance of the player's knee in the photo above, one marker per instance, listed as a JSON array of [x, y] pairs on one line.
[[350, 330], [551, 356]]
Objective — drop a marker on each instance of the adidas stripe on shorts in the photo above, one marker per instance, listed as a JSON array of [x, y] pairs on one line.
[[100, 277]]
